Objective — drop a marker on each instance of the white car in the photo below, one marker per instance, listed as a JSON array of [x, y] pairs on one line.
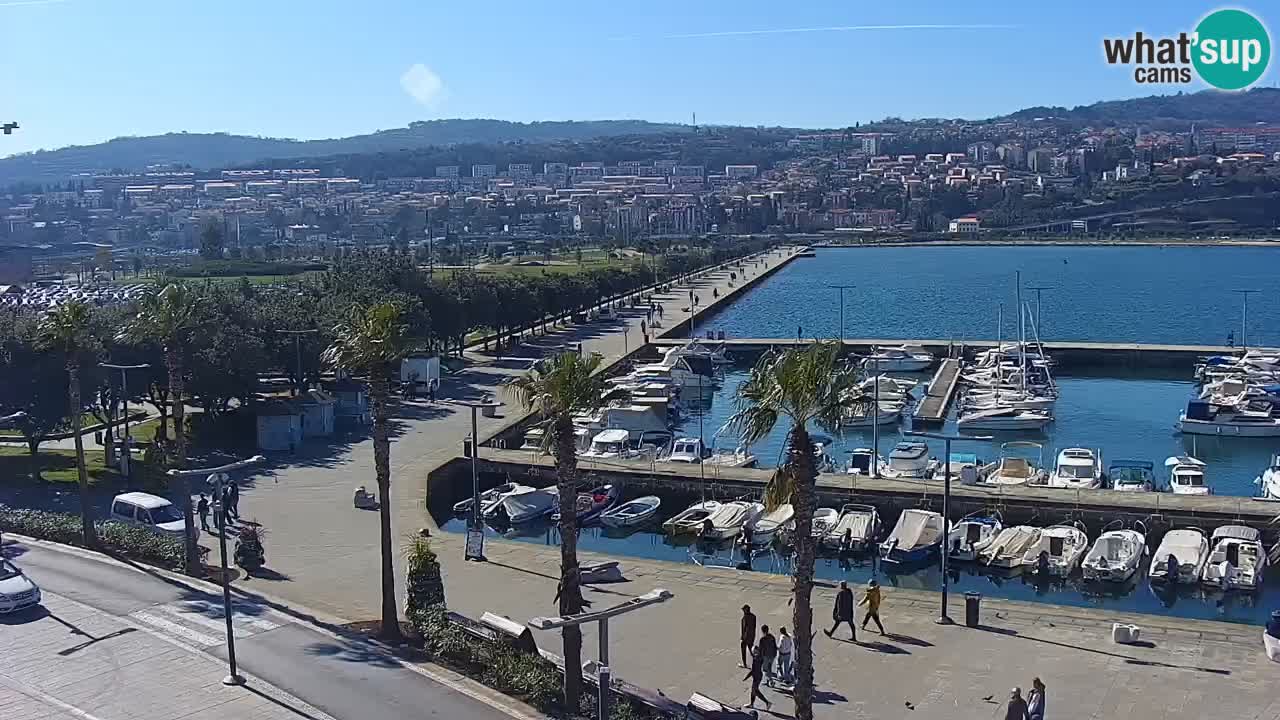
[[150, 511], [17, 591]]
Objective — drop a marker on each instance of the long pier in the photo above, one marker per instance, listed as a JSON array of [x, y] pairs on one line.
[[933, 408]]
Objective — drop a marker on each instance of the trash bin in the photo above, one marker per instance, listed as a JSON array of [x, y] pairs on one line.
[[466, 447], [972, 606]]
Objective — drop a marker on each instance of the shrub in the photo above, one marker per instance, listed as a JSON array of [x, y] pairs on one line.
[[426, 587], [133, 542]]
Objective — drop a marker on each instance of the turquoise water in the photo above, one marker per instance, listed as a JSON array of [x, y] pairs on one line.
[[1103, 294]]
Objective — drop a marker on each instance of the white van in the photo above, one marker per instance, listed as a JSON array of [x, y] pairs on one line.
[[149, 511]]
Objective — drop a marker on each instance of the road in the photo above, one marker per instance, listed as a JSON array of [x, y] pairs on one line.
[[339, 675]]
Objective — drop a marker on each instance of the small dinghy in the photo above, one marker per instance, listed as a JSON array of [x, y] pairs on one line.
[[1238, 560], [855, 529], [915, 538], [632, 513], [1189, 549], [490, 497], [769, 524], [689, 520], [729, 519], [1058, 551], [592, 503], [971, 536], [1114, 556]]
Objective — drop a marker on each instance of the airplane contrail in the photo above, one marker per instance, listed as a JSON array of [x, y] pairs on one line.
[[20, 3], [833, 28]]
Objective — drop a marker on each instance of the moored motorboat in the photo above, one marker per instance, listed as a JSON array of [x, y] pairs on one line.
[[1008, 549], [900, 358], [1004, 418], [971, 535], [729, 519], [855, 529], [1189, 549], [689, 520], [772, 523], [1115, 556], [592, 503], [631, 513], [1131, 476], [490, 497], [1077, 469], [910, 459], [1015, 466], [525, 507], [888, 413], [915, 538], [1236, 420], [865, 462], [824, 518], [1186, 475], [1238, 560], [1057, 552]]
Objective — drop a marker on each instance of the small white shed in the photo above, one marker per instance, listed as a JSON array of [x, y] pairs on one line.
[[279, 426], [317, 413]]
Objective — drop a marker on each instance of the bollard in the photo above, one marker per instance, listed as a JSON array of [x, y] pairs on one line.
[[604, 678], [972, 607]]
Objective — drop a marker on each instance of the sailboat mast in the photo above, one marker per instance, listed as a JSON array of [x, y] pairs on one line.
[[999, 348], [1022, 335]]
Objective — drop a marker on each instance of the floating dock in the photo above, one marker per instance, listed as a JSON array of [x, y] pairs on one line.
[[933, 408]]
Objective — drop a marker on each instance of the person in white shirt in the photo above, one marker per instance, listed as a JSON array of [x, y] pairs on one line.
[[784, 656]]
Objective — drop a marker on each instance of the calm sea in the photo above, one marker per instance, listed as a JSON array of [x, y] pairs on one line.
[[1103, 294]]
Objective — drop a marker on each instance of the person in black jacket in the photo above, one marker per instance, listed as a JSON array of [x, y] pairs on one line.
[[768, 653], [747, 637], [843, 612], [755, 674]]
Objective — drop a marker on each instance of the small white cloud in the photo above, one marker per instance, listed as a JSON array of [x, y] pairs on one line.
[[422, 84]]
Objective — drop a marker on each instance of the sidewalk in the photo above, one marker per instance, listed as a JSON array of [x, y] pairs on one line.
[[78, 663]]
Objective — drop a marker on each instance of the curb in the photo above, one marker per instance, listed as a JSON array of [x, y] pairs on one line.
[[311, 618]]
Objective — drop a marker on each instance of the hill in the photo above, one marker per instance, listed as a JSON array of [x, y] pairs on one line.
[[212, 150], [1208, 107]]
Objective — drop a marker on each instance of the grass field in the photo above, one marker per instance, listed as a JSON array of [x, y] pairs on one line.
[[54, 465]]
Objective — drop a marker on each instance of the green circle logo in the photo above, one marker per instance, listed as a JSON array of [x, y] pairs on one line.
[[1232, 49]]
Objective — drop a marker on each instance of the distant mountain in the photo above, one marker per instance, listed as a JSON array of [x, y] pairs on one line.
[[1209, 107], [213, 150]]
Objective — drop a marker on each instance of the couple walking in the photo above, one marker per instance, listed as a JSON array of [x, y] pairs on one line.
[[1030, 709], [843, 612]]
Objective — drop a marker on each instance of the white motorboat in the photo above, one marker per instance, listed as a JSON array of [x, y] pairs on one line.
[[910, 459], [490, 497], [715, 353], [1205, 418], [1057, 552], [972, 535], [900, 358], [915, 538], [1115, 556], [824, 518], [1269, 481], [1077, 469], [689, 520], [1186, 475], [681, 368], [535, 439], [729, 519], [1131, 476], [1004, 418], [1009, 548], [887, 389], [990, 400], [609, 444], [865, 462], [888, 413], [693, 451], [1190, 551], [1238, 560], [771, 523], [1014, 466], [525, 507], [631, 513], [591, 504], [855, 529], [636, 420]]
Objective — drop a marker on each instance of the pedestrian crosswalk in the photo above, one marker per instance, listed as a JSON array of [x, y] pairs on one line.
[[201, 622]]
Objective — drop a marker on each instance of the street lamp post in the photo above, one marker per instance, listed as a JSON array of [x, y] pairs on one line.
[[474, 548], [604, 676], [943, 617], [1244, 316], [125, 457], [842, 288], [219, 475]]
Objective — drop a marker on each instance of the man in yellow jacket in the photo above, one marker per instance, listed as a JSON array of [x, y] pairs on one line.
[[871, 598]]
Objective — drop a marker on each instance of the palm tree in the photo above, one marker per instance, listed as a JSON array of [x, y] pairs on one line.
[[371, 341], [568, 385], [66, 330], [803, 386], [168, 319]]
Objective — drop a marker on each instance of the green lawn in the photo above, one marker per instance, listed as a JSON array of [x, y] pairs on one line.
[[54, 465]]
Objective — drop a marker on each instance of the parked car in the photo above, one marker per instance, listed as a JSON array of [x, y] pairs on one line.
[[150, 511], [17, 591]]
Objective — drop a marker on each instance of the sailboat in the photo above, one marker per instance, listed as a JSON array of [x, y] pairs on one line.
[[991, 412]]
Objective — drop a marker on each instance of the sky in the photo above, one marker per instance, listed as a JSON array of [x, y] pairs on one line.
[[83, 71]]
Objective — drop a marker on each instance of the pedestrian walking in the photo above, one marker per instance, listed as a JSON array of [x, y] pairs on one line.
[[799, 332], [755, 673], [202, 507], [871, 598], [1017, 707], [768, 653], [784, 656], [1035, 700], [644, 329], [431, 390], [843, 612], [226, 506], [747, 634], [234, 505]]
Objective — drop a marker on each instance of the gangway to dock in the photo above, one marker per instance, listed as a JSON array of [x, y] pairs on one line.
[[933, 409]]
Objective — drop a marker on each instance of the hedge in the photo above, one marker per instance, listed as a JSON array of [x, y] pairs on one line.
[[113, 537]]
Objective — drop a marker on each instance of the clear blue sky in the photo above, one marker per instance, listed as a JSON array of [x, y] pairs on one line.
[[82, 71]]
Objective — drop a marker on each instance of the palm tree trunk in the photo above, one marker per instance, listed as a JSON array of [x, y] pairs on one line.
[[82, 474], [804, 500], [173, 363], [570, 590], [379, 391]]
